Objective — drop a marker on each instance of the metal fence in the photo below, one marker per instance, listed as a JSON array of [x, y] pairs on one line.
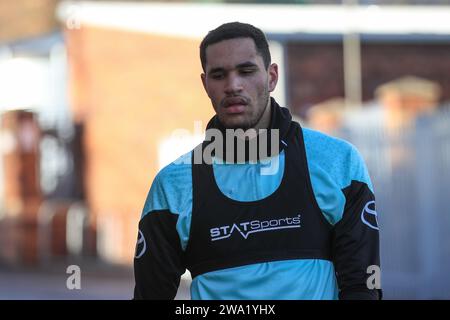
[[410, 171]]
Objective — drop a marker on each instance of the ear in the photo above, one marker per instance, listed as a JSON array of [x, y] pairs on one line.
[[273, 76], [203, 76]]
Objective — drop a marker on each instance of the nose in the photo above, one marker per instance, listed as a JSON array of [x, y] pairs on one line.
[[233, 84]]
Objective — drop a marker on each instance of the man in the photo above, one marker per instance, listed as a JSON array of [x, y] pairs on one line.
[[304, 231]]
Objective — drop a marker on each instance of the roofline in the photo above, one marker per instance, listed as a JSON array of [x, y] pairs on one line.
[[412, 38], [194, 20]]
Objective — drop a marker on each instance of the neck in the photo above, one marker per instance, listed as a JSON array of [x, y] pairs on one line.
[[264, 121], [274, 118]]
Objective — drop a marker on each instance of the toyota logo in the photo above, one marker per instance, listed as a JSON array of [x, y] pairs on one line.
[[369, 216], [141, 246]]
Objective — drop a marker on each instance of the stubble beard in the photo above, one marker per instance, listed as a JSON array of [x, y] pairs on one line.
[[254, 120]]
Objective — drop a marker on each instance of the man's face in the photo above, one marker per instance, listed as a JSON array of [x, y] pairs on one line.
[[238, 84]]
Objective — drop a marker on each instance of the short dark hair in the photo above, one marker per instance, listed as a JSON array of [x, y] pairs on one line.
[[234, 30]]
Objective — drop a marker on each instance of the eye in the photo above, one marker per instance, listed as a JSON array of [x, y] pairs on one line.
[[217, 75], [247, 71]]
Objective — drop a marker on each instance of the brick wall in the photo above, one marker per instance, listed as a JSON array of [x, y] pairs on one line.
[[22, 196], [26, 18], [315, 70], [382, 63], [315, 73], [130, 91]]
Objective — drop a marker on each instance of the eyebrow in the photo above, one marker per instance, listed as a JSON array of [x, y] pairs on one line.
[[247, 64]]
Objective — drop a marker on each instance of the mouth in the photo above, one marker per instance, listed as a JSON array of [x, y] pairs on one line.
[[235, 105], [235, 109]]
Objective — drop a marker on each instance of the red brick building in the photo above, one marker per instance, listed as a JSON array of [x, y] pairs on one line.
[[317, 69], [130, 91], [20, 193], [134, 79]]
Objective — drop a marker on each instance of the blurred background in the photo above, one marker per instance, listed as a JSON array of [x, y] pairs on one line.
[[92, 92]]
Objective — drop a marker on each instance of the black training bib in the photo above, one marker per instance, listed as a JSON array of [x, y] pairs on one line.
[[288, 224]]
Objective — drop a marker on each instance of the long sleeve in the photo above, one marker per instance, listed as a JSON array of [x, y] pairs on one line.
[[158, 263], [159, 258], [356, 240]]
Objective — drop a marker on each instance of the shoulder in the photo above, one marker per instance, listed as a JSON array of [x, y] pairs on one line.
[[333, 164], [172, 187], [338, 157], [324, 144], [175, 171]]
